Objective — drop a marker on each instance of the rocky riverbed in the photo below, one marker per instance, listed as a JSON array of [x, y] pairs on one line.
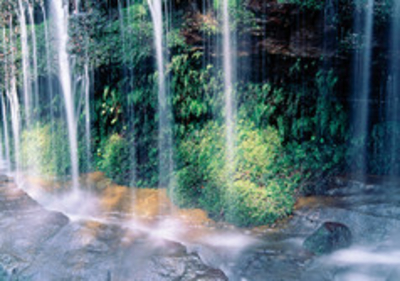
[[40, 244], [37, 244]]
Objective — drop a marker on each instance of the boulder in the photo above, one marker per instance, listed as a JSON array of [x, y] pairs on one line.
[[3, 273], [5, 179], [331, 236]]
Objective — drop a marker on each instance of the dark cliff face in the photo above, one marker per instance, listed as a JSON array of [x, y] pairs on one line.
[[280, 37], [275, 28], [276, 36], [288, 31]]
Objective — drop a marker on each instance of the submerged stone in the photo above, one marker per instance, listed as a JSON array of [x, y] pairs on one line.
[[331, 236]]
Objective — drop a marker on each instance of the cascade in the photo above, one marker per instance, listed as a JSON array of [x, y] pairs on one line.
[[362, 73], [25, 64], [228, 88], [35, 100], [48, 67], [77, 2], [164, 111], [393, 91], [3, 104], [246, 199], [122, 29], [124, 21], [2, 156], [5, 131], [60, 12], [49, 84], [12, 95], [87, 112]]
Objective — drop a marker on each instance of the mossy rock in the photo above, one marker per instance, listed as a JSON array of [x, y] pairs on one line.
[[331, 236]]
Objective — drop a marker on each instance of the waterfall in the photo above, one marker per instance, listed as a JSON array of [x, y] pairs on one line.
[[34, 54], [2, 156], [14, 103], [60, 12], [122, 30], [5, 131], [25, 63], [3, 104], [87, 112], [48, 68], [362, 74], [127, 72], [164, 112], [77, 2], [228, 88], [392, 99], [49, 77]]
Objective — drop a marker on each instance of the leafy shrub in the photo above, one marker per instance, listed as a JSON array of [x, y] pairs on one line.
[[259, 192], [307, 4], [311, 122], [115, 159], [258, 204], [45, 151]]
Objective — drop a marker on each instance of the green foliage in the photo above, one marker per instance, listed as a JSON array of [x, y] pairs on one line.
[[307, 4], [293, 129], [195, 91], [115, 159], [108, 111], [45, 151], [259, 192], [311, 122], [218, 4], [316, 136]]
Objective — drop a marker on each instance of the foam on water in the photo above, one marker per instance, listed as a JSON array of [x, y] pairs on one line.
[[366, 256]]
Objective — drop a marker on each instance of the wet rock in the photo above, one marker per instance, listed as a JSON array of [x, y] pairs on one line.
[[37, 244], [394, 275], [259, 266], [331, 236], [3, 273], [188, 267], [5, 179]]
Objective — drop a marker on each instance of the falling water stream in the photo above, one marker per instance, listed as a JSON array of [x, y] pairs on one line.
[[14, 104], [129, 220], [228, 88], [87, 113], [3, 101], [60, 13], [164, 111], [25, 64], [5, 130], [362, 77], [35, 99], [393, 95]]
